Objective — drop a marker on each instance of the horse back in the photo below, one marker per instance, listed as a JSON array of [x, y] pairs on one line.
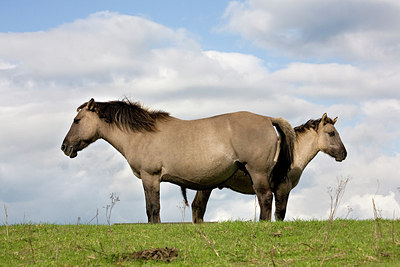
[[206, 150]]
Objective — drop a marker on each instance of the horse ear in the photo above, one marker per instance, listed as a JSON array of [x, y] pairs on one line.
[[324, 117], [91, 105], [334, 120]]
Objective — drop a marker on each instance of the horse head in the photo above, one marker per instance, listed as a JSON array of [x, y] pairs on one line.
[[329, 140], [83, 131]]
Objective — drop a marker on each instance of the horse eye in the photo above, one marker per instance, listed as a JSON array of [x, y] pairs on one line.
[[331, 134], [76, 121]]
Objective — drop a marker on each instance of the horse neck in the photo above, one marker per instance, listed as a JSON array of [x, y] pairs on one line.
[[116, 137], [305, 149]]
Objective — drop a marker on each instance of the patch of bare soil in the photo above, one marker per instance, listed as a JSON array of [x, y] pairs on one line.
[[162, 254]]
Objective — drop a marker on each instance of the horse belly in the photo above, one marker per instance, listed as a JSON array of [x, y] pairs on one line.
[[200, 175], [200, 153], [240, 182]]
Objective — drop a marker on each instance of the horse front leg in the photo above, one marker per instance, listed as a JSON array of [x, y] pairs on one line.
[[264, 194], [280, 206], [199, 205], [265, 201], [281, 200], [151, 186]]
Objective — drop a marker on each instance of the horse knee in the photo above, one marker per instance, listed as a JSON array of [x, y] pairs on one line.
[[265, 198], [195, 204]]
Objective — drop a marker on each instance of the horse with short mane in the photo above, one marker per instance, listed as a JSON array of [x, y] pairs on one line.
[[311, 137], [197, 154]]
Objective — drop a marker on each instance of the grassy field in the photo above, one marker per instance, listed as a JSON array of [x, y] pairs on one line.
[[300, 243]]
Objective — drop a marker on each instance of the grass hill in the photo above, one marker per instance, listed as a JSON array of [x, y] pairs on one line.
[[300, 243]]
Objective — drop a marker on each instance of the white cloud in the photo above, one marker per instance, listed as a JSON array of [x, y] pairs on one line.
[[6, 65], [45, 75], [104, 41], [364, 31], [387, 207], [226, 205]]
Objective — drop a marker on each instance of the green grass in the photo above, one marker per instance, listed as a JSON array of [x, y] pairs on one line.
[[297, 243]]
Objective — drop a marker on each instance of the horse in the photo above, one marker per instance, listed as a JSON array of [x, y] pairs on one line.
[[197, 154], [311, 137]]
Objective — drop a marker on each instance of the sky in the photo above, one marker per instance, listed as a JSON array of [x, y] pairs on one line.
[[194, 59]]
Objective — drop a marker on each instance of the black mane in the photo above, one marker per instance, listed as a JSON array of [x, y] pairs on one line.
[[311, 124], [128, 115]]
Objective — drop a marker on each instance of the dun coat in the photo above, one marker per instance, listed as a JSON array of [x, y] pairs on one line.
[[311, 137], [196, 154]]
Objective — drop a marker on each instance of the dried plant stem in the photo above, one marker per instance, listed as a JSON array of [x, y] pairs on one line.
[[272, 253], [393, 231], [114, 199], [30, 243], [206, 239], [255, 216], [183, 211], [377, 230], [76, 230], [5, 210], [335, 196], [95, 217]]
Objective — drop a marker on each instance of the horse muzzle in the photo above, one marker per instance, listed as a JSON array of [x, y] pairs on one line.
[[342, 156], [69, 150]]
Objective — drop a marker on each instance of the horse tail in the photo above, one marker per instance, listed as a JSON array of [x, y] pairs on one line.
[[286, 148], [183, 189]]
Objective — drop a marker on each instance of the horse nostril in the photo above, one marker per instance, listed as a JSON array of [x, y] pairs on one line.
[[344, 154], [63, 147]]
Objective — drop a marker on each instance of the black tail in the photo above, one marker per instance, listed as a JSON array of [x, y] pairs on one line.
[[183, 189], [285, 157]]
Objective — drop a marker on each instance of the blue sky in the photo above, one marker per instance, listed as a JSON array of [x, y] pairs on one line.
[[292, 59], [199, 17], [202, 19], [23, 16]]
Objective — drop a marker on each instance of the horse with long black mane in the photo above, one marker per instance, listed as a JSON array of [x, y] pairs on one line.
[[311, 137], [196, 154]]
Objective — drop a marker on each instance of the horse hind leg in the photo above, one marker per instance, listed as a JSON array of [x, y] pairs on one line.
[[199, 205], [264, 193]]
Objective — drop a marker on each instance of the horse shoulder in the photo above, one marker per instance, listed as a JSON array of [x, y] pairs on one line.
[[144, 153]]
